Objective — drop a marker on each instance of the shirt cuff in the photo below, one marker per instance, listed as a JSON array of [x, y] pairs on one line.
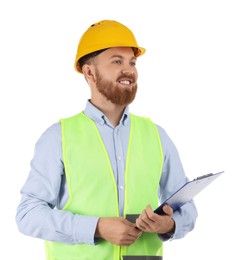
[[169, 235], [84, 233], [184, 220]]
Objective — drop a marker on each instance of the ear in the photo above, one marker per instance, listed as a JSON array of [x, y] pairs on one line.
[[89, 72]]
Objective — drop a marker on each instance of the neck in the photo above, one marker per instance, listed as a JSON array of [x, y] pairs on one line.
[[114, 114], [112, 111]]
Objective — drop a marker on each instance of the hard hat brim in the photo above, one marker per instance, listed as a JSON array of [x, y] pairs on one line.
[[138, 51]]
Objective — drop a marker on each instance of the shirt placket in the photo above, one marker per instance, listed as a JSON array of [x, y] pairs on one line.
[[120, 167]]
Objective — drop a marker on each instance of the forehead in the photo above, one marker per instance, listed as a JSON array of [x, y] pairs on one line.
[[123, 52]]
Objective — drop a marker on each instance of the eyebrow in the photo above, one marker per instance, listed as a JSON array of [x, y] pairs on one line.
[[121, 57]]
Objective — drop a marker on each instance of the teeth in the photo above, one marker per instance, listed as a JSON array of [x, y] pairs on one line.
[[126, 82]]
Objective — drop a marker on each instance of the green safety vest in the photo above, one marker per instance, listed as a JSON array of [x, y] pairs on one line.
[[93, 190]]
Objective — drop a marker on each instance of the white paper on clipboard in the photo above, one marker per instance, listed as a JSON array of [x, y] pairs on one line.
[[187, 192]]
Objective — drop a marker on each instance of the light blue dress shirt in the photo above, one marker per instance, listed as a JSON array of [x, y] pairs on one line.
[[45, 191]]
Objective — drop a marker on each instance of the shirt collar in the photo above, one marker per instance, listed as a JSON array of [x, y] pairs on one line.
[[99, 117]]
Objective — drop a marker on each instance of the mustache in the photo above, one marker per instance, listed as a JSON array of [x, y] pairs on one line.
[[129, 76]]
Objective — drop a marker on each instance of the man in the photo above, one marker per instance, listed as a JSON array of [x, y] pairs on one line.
[[96, 177]]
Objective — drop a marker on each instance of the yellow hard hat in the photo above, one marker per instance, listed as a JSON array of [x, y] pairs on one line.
[[106, 34]]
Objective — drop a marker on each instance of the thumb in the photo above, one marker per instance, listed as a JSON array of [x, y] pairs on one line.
[[168, 210]]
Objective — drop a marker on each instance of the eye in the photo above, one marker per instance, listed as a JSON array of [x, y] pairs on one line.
[[117, 61], [133, 63]]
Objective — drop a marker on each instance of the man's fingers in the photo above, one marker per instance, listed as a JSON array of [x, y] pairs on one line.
[[149, 221], [144, 221]]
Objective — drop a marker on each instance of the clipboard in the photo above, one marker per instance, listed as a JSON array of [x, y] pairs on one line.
[[187, 192]]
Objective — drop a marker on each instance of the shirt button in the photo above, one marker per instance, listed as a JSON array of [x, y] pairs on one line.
[[119, 158], [121, 187]]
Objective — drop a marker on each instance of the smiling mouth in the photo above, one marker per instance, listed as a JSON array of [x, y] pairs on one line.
[[125, 82]]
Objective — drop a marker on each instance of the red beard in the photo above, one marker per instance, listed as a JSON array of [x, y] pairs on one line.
[[114, 93]]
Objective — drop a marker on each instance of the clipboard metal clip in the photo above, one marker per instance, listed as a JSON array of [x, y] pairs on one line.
[[204, 176]]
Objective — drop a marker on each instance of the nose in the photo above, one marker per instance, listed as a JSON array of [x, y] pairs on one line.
[[128, 72], [128, 68]]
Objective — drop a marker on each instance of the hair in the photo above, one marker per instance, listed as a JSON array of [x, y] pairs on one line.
[[85, 59]]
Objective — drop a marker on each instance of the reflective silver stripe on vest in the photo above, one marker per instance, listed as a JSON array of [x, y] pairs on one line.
[[132, 217], [136, 257]]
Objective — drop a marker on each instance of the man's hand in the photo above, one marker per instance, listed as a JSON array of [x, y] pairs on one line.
[[151, 222], [117, 230]]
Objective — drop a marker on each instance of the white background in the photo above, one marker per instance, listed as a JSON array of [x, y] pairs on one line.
[[187, 82]]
